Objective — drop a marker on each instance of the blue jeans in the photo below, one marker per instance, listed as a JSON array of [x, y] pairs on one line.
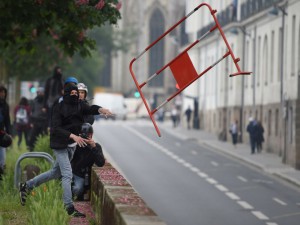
[[78, 187], [61, 169], [2, 157]]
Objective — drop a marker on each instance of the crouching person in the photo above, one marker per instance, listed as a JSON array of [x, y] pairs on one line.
[[83, 160]]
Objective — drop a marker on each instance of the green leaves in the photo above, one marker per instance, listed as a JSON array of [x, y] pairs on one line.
[[25, 21]]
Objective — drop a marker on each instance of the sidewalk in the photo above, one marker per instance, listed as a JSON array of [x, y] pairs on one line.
[[267, 162]]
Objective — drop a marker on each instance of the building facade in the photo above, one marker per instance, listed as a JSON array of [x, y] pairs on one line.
[[265, 35], [148, 20]]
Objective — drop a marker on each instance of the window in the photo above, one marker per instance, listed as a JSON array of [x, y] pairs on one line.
[[293, 56], [276, 122], [290, 121], [279, 55], [265, 71], [272, 57], [157, 26], [258, 61]]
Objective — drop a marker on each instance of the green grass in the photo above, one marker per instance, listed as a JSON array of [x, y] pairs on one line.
[[43, 206]]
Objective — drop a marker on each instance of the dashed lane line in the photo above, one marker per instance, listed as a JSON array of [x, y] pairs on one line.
[[220, 187], [260, 215], [279, 201], [242, 179]]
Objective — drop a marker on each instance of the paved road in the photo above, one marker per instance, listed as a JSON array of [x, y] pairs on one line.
[[187, 183]]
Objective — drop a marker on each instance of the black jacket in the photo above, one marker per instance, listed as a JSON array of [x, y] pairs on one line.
[[4, 117], [84, 158], [67, 119]]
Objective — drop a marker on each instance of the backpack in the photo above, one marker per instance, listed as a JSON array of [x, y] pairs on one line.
[[22, 116]]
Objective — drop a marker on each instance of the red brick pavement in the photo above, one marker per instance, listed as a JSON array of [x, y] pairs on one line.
[[86, 208]]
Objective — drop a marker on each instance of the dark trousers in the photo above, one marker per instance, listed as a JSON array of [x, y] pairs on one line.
[[252, 143], [37, 129], [20, 136]]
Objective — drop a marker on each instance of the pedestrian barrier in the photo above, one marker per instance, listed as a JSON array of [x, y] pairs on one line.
[[18, 172], [181, 66]]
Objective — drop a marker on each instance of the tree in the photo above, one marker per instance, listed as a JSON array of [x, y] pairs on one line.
[[23, 22]]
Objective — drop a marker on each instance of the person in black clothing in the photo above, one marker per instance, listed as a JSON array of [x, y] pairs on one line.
[[38, 119], [259, 136], [83, 160], [54, 87], [251, 131], [83, 91], [188, 113], [66, 120], [5, 125]]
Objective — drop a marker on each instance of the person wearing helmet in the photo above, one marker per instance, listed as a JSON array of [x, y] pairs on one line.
[[71, 80], [83, 160], [66, 121], [83, 91]]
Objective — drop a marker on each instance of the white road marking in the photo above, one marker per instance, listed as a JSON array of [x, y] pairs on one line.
[[245, 205], [211, 181], [214, 163], [195, 169], [177, 144], [232, 196], [203, 175], [279, 201], [221, 188], [242, 179], [194, 152], [260, 215]]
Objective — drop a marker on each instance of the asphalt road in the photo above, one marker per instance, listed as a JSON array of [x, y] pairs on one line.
[[188, 184]]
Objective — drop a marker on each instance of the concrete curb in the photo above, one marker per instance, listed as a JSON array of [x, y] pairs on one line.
[[115, 202]]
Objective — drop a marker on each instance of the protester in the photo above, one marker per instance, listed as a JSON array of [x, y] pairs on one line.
[[83, 91], [22, 114], [38, 119], [53, 88], [66, 120], [259, 136], [83, 160], [5, 126], [188, 113], [234, 132], [251, 131]]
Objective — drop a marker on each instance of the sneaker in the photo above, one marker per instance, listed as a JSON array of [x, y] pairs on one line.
[[74, 212], [23, 192]]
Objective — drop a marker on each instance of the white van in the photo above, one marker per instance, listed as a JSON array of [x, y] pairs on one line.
[[112, 101]]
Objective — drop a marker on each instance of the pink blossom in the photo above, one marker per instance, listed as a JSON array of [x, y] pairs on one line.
[[119, 5], [100, 4], [82, 2]]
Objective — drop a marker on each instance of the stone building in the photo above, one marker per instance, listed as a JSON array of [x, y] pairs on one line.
[[148, 20], [265, 35]]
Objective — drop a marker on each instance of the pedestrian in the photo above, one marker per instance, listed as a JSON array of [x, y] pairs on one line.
[[38, 119], [66, 120], [259, 136], [5, 126], [53, 88], [174, 116], [188, 113], [251, 131], [83, 91], [83, 160], [234, 132], [22, 114]]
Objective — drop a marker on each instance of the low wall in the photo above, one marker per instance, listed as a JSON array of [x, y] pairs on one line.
[[115, 202]]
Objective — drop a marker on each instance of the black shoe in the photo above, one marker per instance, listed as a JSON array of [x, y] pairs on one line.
[[23, 192], [74, 212]]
